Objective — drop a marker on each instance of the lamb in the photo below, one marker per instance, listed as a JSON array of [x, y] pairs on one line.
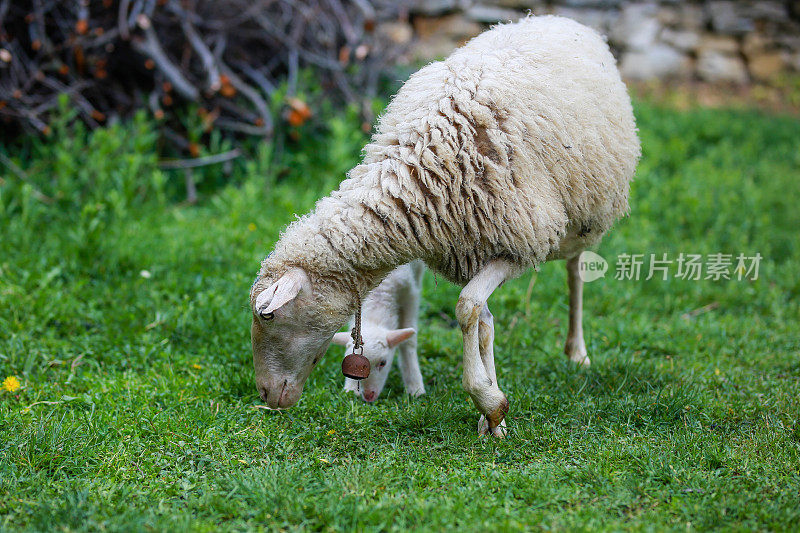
[[518, 148], [389, 314]]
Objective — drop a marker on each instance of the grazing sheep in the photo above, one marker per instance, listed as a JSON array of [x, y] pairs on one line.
[[389, 315], [517, 149]]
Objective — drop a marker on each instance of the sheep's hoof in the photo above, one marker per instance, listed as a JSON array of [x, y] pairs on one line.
[[581, 360], [483, 428], [577, 354], [416, 393], [495, 421]]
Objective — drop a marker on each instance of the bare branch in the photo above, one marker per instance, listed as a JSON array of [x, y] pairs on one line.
[[151, 47], [199, 161], [205, 54]]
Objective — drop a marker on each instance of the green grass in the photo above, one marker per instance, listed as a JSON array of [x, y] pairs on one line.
[[138, 410]]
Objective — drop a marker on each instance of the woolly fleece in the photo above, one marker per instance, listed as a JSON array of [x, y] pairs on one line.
[[520, 145]]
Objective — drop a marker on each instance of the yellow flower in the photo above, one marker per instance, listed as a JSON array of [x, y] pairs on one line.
[[251, 226], [11, 383], [331, 432], [196, 366]]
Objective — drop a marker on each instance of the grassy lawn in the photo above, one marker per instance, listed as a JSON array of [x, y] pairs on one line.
[[126, 322]]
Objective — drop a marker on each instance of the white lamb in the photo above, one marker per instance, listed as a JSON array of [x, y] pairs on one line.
[[389, 321], [517, 149]]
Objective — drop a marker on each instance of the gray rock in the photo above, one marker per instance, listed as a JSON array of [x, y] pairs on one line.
[[716, 66], [765, 10], [592, 3], [537, 6], [491, 14], [637, 26], [684, 40], [727, 18], [597, 19], [432, 7], [656, 62]]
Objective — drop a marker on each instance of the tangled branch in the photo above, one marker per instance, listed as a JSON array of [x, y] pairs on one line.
[[229, 56]]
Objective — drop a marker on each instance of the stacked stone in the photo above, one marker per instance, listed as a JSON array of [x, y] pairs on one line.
[[734, 41]]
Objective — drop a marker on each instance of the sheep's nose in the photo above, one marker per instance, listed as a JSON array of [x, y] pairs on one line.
[[369, 395], [263, 392], [269, 393]]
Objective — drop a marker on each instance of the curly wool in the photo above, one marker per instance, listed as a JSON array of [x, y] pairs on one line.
[[520, 145]]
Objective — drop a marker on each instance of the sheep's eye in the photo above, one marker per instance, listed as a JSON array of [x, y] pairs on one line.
[[382, 363], [267, 316]]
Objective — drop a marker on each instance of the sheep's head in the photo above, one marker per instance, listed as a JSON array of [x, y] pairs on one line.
[[379, 347], [292, 327]]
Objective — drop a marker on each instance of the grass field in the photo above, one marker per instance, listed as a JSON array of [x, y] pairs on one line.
[[124, 317]]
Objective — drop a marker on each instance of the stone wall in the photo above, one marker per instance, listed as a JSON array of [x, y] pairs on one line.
[[733, 41]]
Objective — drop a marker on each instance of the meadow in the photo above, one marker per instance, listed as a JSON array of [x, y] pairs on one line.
[[124, 319]]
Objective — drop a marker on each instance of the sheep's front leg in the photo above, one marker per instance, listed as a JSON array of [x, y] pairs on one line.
[[479, 378], [486, 342], [575, 347]]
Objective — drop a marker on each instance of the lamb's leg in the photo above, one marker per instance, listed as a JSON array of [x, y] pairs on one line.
[[486, 341], [481, 386], [409, 315], [409, 363], [575, 347], [409, 367]]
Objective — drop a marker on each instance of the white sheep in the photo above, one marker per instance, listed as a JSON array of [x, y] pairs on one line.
[[517, 149], [389, 321]]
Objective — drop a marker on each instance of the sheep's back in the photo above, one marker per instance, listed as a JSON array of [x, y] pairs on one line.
[[520, 140]]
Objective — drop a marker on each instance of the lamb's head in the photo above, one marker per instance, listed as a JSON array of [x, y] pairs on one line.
[[379, 348], [293, 323]]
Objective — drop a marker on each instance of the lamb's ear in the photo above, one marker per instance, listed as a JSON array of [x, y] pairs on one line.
[[342, 338], [396, 336], [282, 291]]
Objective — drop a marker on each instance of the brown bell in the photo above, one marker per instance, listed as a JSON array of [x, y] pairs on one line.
[[355, 366]]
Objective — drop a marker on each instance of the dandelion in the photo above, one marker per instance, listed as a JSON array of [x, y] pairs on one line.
[[196, 366], [11, 383], [251, 226], [331, 432]]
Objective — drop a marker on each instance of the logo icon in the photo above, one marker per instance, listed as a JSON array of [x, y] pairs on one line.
[[591, 266]]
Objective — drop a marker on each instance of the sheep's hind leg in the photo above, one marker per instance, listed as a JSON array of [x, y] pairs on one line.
[[575, 347], [477, 379], [486, 338]]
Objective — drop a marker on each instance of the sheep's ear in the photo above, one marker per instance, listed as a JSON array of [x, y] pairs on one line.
[[396, 336], [281, 292], [342, 338]]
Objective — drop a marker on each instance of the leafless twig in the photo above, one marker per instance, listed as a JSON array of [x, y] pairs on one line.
[[199, 161]]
